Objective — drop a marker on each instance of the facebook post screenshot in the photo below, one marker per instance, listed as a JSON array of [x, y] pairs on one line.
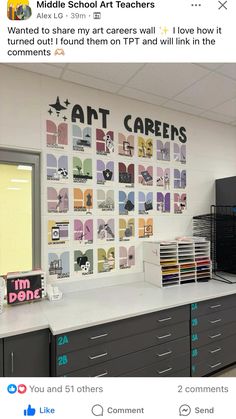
[[117, 209]]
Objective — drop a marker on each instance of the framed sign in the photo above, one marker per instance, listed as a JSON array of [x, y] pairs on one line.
[[24, 287]]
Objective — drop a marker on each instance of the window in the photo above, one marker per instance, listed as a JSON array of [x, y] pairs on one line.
[[20, 235]]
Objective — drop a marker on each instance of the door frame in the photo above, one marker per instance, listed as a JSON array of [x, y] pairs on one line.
[[14, 156]]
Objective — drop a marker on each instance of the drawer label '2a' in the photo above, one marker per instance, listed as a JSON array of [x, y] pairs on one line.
[[62, 340], [194, 306]]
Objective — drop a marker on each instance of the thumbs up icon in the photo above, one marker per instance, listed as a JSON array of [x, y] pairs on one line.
[[30, 411]]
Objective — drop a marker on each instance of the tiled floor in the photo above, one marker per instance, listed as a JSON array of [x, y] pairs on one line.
[[227, 372]]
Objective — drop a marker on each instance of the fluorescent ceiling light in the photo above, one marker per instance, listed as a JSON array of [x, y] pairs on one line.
[[19, 180], [23, 167], [13, 189]]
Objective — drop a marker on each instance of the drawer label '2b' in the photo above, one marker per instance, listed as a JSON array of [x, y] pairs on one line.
[[62, 360], [194, 353], [62, 340], [194, 322]]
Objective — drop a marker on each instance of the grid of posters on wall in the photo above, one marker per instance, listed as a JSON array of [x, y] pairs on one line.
[[105, 189]]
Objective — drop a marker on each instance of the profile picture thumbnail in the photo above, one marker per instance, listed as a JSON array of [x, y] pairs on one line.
[[18, 10]]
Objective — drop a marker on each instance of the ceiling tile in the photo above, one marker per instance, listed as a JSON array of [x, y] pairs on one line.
[[90, 81], [227, 108], [44, 69], [142, 96], [209, 92], [228, 70], [182, 107], [166, 80], [216, 117], [118, 73]]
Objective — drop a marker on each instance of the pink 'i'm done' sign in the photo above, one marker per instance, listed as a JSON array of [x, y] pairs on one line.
[[23, 287]]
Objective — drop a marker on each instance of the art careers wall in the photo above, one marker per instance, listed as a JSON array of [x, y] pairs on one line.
[[115, 171]]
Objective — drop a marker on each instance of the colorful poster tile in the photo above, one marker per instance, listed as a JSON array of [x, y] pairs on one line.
[[163, 202], [163, 150], [145, 202], [105, 230], [106, 259], [58, 232], [163, 178], [145, 228], [57, 200], [56, 135], [145, 175], [126, 174], [57, 168], [126, 203], [82, 139], [105, 200], [145, 148], [104, 142], [180, 203], [59, 264], [82, 170], [126, 145], [126, 257], [105, 172], [83, 201], [83, 231], [83, 262]]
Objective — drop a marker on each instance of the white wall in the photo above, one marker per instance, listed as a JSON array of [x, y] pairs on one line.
[[211, 146]]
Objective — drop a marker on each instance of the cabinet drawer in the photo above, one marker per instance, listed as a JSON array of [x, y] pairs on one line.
[[213, 306], [209, 366], [107, 332], [213, 321], [212, 351], [91, 356], [210, 336], [163, 368], [136, 360]]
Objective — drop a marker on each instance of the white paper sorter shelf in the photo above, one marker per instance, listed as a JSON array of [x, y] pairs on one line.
[[177, 262]]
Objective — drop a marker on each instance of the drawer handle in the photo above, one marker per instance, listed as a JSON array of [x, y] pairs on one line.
[[12, 362], [101, 375], [216, 350], [216, 306], [216, 365], [98, 356], [215, 336], [164, 336], [164, 320], [99, 336], [167, 369], [165, 353], [215, 321]]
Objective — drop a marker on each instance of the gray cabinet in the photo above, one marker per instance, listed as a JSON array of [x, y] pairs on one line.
[[213, 335], [156, 344], [1, 358], [27, 355]]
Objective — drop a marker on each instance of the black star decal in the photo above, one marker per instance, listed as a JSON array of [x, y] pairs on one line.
[[67, 103], [65, 118], [57, 106], [50, 111]]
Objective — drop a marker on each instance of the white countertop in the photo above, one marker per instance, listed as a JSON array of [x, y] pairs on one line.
[[83, 309]]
